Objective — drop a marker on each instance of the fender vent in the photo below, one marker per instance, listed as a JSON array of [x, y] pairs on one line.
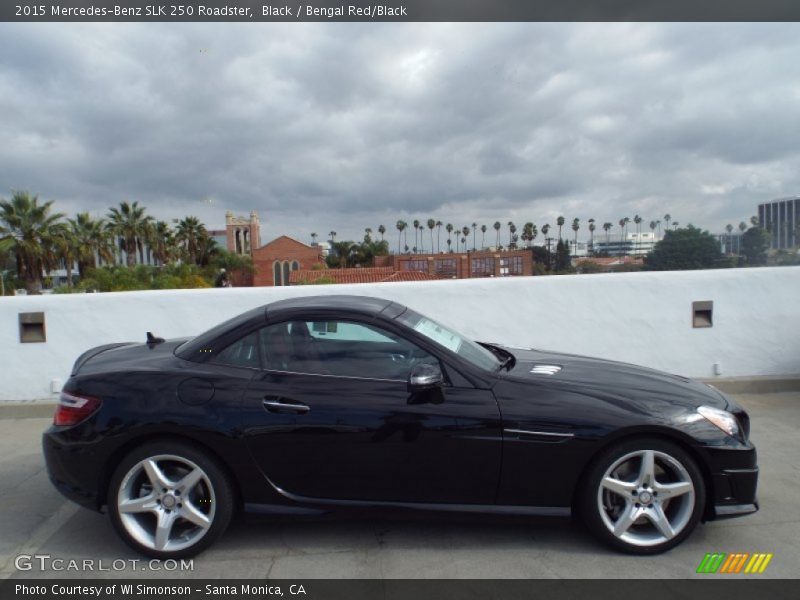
[[545, 369]]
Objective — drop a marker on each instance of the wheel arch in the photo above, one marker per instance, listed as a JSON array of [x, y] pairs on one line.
[[662, 433], [120, 453]]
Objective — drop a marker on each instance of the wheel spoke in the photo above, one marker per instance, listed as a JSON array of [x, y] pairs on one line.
[[647, 469], [189, 480], [190, 512], [139, 505], [626, 519], [622, 488], [670, 490], [157, 478], [659, 520], [164, 528]]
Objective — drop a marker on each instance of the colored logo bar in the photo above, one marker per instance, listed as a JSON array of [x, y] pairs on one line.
[[735, 562]]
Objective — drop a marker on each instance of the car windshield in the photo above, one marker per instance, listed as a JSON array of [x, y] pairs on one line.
[[449, 339]]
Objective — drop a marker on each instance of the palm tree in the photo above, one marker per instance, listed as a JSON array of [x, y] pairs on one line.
[[449, 229], [545, 231], [675, 224], [465, 231], [512, 229], [438, 236], [667, 219], [162, 242], [63, 249], [623, 224], [313, 238], [497, 227], [638, 220], [130, 225], [345, 252], [483, 236], [401, 225], [575, 226], [333, 236], [381, 230], [26, 232], [592, 227], [191, 234], [742, 226], [533, 233], [431, 225], [416, 231], [527, 234], [658, 224], [607, 227], [560, 223], [368, 234], [92, 242]]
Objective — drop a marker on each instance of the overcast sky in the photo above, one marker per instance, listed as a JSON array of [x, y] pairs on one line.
[[346, 126]]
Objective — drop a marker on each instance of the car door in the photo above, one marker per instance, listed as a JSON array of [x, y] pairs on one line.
[[331, 416]]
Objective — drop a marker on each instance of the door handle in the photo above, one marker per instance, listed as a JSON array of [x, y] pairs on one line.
[[282, 405]]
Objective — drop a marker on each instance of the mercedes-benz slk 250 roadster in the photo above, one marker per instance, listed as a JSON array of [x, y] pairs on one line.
[[319, 403]]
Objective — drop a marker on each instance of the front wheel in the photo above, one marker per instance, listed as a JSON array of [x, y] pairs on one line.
[[170, 500], [643, 496]]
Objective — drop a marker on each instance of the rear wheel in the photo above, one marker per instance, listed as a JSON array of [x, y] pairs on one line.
[[643, 496], [170, 500]]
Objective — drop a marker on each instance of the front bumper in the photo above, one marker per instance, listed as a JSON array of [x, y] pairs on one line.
[[734, 479]]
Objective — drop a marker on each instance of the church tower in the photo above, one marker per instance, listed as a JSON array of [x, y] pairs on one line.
[[243, 234]]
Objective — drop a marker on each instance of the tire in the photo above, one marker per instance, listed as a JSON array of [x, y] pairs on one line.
[[170, 500], [640, 509]]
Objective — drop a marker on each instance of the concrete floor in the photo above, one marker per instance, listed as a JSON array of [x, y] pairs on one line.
[[37, 520]]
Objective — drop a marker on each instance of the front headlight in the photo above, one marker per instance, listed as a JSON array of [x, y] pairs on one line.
[[721, 418]]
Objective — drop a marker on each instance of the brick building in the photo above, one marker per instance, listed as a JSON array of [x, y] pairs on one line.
[[464, 265], [275, 261], [357, 275]]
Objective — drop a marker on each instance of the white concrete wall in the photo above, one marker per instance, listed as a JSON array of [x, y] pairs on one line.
[[643, 318]]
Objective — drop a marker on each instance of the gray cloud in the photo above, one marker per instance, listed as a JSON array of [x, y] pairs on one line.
[[346, 126]]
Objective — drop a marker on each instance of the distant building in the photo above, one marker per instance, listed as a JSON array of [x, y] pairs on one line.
[[274, 262], [463, 265], [780, 218], [243, 235], [357, 275], [730, 243], [632, 244], [607, 263]]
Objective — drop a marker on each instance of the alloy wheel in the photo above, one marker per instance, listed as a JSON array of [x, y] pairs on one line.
[[646, 498], [166, 503]]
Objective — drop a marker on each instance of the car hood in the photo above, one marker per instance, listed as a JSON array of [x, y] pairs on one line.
[[597, 376]]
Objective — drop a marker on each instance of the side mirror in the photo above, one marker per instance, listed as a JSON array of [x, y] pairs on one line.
[[425, 376]]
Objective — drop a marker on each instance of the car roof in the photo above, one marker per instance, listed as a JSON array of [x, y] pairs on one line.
[[333, 302]]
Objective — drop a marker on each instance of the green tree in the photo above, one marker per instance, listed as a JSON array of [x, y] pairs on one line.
[[92, 241], [754, 245], [401, 225], [26, 233], [131, 225], [193, 239], [563, 260], [685, 249]]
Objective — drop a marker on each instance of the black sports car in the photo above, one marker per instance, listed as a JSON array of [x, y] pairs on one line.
[[317, 403]]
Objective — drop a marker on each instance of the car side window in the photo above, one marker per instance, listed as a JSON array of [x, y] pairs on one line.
[[340, 348], [241, 353]]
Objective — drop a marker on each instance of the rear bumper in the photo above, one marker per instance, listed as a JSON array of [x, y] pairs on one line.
[[73, 472]]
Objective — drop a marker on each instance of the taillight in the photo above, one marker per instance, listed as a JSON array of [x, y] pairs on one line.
[[73, 408]]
